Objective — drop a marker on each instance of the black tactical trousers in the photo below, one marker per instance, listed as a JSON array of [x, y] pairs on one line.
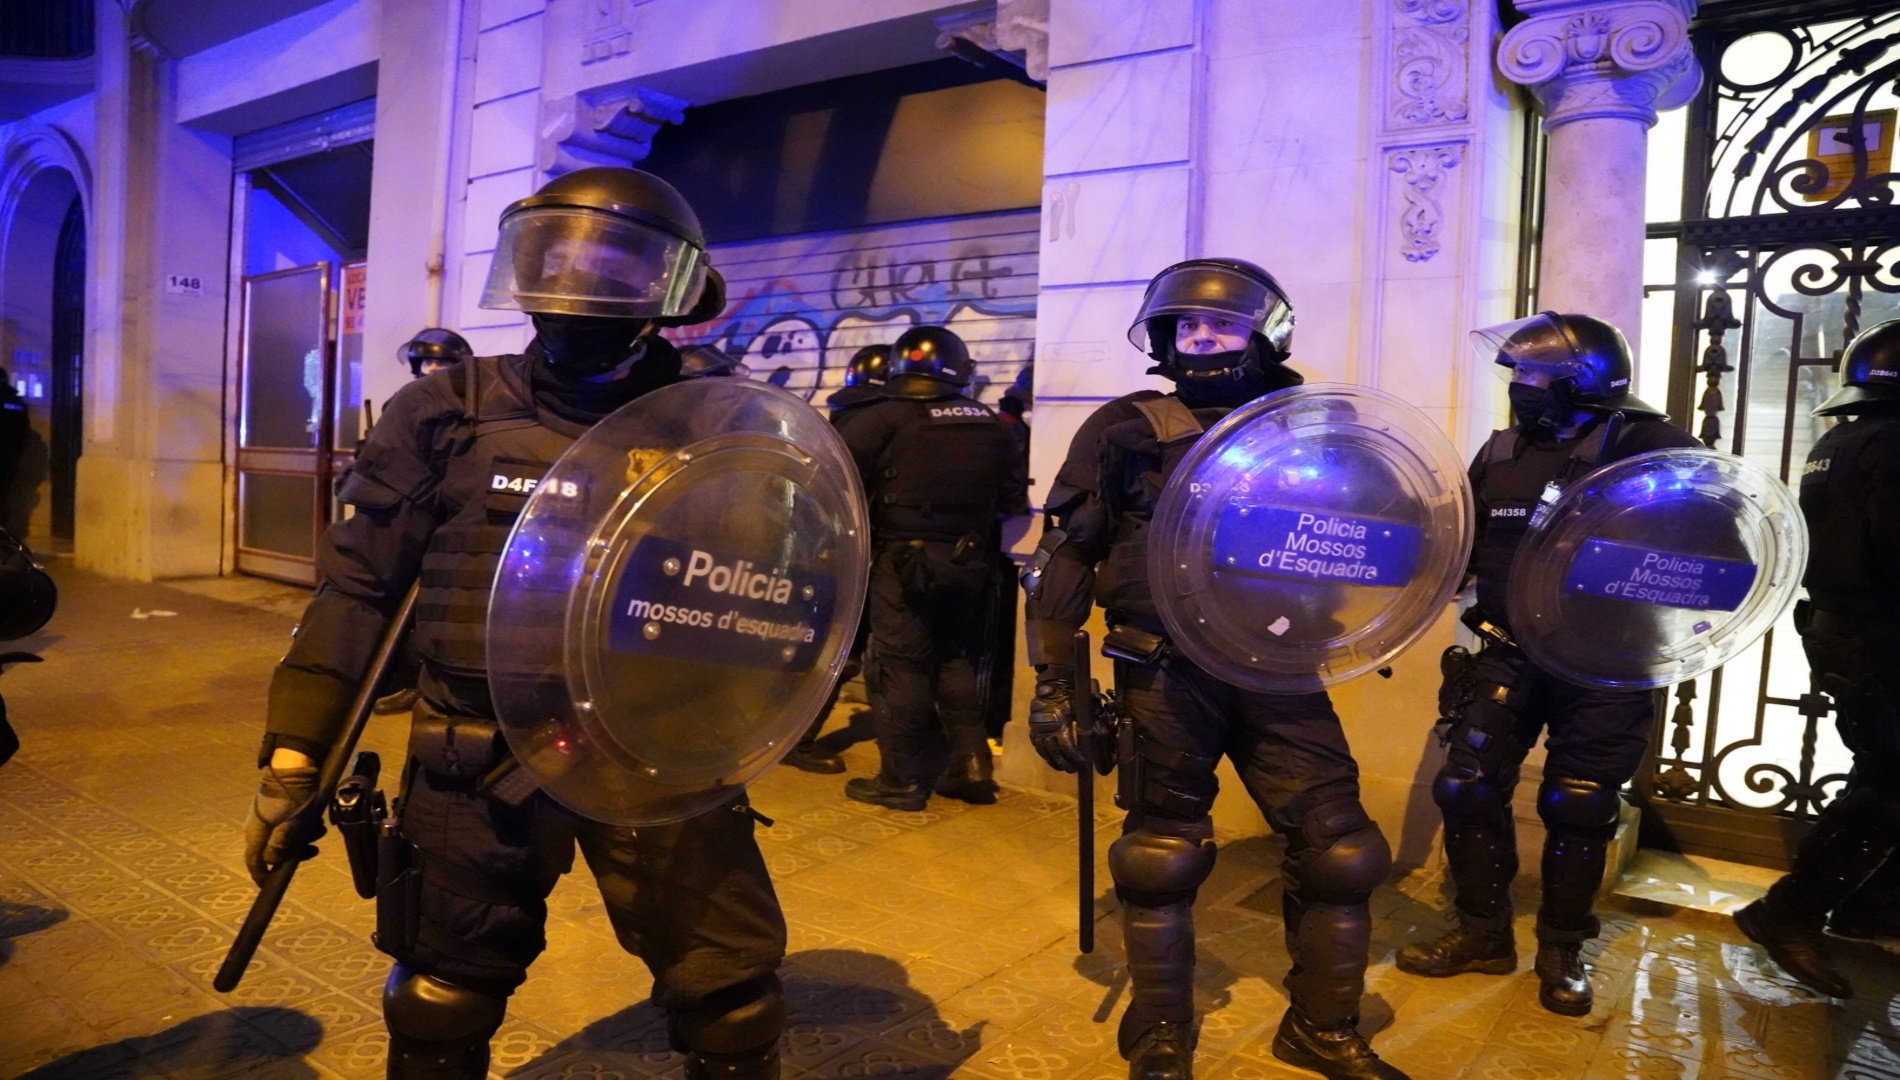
[[1292, 757], [691, 899], [1858, 667], [927, 630], [1593, 735]]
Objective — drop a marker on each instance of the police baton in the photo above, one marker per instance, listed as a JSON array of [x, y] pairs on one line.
[[1087, 704], [308, 821]]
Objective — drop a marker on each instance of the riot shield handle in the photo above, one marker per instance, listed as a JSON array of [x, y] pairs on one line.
[[309, 818]]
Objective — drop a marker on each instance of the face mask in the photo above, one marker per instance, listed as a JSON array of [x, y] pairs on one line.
[[1528, 405], [1238, 382], [585, 345]]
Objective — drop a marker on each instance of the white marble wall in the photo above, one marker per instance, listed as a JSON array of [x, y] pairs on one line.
[[409, 189], [495, 160], [151, 486], [1120, 199]]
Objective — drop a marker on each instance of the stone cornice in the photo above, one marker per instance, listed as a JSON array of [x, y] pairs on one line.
[[1585, 59]]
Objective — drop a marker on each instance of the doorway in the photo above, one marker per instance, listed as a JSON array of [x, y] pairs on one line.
[[305, 232]]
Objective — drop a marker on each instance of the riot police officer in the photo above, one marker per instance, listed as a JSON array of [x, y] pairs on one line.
[[27, 599], [864, 378], [939, 475], [1845, 870], [599, 258], [1570, 376], [434, 349], [1220, 330]]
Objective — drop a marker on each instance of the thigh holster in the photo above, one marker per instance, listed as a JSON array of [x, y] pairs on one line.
[[1161, 780]]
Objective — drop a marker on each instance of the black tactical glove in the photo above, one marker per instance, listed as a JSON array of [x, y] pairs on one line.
[[1052, 724], [268, 838]]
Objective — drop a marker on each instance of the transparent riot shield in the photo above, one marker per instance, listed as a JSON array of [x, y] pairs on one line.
[[1309, 537], [1657, 568], [676, 600]]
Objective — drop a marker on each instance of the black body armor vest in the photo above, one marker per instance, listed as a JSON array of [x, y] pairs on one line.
[[1143, 453], [1847, 573], [507, 445], [942, 474]]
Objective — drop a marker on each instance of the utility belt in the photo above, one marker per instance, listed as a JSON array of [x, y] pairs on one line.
[[1134, 638]]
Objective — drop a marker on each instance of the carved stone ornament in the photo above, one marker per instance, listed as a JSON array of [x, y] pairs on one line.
[[1422, 168], [1023, 26], [1430, 40], [1587, 60], [606, 126], [1016, 31]]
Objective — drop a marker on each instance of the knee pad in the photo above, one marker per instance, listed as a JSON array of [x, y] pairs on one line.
[[1467, 795], [733, 1021], [1568, 804], [1343, 856], [424, 1009], [1154, 870]]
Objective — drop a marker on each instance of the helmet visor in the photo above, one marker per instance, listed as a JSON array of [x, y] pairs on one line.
[[561, 261], [1537, 345], [1218, 292]]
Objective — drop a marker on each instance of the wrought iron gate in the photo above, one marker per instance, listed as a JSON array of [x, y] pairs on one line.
[[1788, 245]]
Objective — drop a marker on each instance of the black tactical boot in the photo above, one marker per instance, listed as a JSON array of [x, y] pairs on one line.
[[1484, 945], [1336, 1053], [1797, 945], [759, 1064], [1563, 984], [1155, 1030], [1862, 920], [812, 758], [970, 778], [1161, 1053], [412, 1060], [1872, 910], [881, 790]]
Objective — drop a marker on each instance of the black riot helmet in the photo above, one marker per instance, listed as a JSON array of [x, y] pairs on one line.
[[605, 242], [869, 366], [1584, 361], [1232, 290], [27, 595], [1870, 371], [710, 361], [928, 362], [434, 347]]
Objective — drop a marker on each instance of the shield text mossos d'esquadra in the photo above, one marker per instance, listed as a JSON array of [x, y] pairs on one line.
[[1309, 537], [1655, 569], [681, 601], [676, 600]]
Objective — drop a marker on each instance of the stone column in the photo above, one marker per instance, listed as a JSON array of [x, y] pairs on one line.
[[1600, 72]]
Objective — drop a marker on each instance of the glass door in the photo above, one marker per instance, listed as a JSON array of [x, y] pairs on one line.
[[349, 412], [284, 429]]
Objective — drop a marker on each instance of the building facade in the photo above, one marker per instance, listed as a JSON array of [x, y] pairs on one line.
[[218, 226]]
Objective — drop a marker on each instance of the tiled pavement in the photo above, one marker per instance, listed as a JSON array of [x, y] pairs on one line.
[[926, 945]]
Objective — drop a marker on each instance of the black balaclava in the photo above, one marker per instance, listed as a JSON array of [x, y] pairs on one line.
[[1541, 410], [576, 392], [585, 345], [1236, 378]]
